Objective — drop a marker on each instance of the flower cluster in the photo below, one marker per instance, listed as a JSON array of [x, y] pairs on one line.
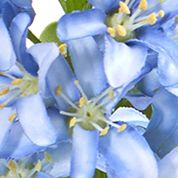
[[64, 118]]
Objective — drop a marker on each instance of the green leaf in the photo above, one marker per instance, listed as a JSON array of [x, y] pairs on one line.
[[32, 37], [72, 5], [49, 34], [99, 174]]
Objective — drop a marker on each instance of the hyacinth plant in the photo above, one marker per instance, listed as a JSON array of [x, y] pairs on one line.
[[63, 104]]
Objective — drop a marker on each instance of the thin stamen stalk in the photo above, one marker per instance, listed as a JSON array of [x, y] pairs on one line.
[[69, 114]]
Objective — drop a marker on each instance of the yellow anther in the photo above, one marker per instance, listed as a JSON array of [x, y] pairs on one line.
[[72, 122], [17, 81], [122, 127], [4, 91], [12, 166], [111, 31], [177, 17], [58, 90], [152, 18], [82, 102], [47, 157], [121, 31], [111, 94], [124, 8], [63, 49], [104, 131], [76, 82], [161, 1], [12, 117], [143, 5], [161, 13], [2, 106], [38, 166]]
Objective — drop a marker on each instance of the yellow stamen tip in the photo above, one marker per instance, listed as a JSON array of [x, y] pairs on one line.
[[12, 165], [63, 49], [161, 13], [82, 102], [104, 131], [12, 117], [111, 31], [76, 82], [4, 91], [58, 90], [47, 157], [17, 81], [122, 127], [2, 106], [111, 94], [38, 166], [72, 122], [177, 17], [124, 8], [121, 31], [143, 5], [152, 18]]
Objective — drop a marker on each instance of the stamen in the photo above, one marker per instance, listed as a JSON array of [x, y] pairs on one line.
[[143, 5], [177, 17], [72, 122], [104, 131], [111, 31], [152, 19], [47, 157], [7, 75], [124, 8], [2, 106], [82, 102], [122, 127], [69, 114], [161, 13], [76, 82], [121, 31], [12, 117], [38, 166], [4, 91], [63, 49], [17, 81], [12, 166], [58, 90]]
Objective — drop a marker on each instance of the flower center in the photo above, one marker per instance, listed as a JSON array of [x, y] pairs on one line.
[[90, 114], [18, 87], [122, 25]]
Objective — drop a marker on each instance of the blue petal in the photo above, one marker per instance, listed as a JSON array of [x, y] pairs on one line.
[[169, 164], [119, 59], [162, 132], [87, 61], [18, 31], [84, 153], [105, 5], [17, 145], [7, 55], [61, 157], [42, 175], [128, 154], [130, 115], [81, 24], [60, 74], [34, 119], [44, 60]]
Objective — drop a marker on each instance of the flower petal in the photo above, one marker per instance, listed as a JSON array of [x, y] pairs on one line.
[[81, 24], [88, 63], [119, 59], [128, 154], [84, 153], [42, 175], [168, 165], [162, 132], [33, 117], [105, 5], [7, 55], [18, 31]]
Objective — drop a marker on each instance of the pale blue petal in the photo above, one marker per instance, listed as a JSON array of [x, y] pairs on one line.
[[35, 121], [60, 74], [130, 115], [173, 89], [44, 60], [119, 59], [105, 5], [162, 132], [88, 66], [169, 164], [128, 154], [42, 175], [18, 31], [7, 55], [84, 153], [81, 24]]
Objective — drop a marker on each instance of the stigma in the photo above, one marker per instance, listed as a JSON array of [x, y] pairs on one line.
[[122, 24], [89, 113], [27, 85]]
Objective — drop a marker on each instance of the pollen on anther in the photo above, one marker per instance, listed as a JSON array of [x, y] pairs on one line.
[[111, 31], [12, 165], [17, 81], [152, 18], [122, 127], [58, 90], [63, 49], [121, 31], [2, 106], [82, 102], [124, 8], [4, 91], [143, 5], [104, 131], [72, 122], [161, 13], [38, 166], [12, 117]]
